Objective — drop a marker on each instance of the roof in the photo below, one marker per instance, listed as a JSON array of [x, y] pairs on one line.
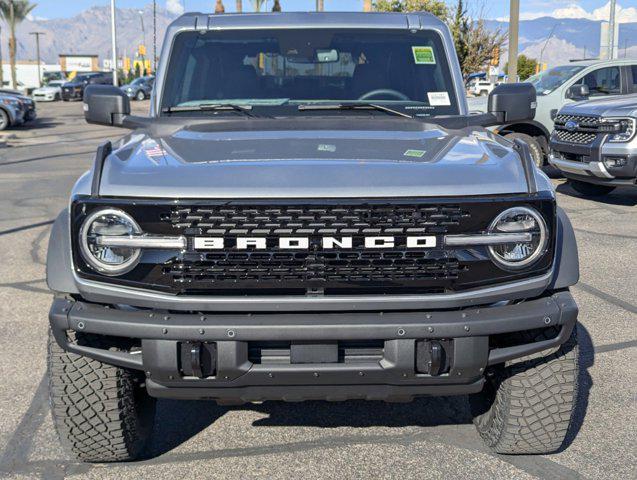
[[78, 55], [201, 21], [588, 63]]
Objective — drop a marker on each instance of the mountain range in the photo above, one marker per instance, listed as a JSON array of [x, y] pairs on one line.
[[89, 33]]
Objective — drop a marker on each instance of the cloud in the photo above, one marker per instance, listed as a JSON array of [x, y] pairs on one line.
[[175, 7], [573, 10]]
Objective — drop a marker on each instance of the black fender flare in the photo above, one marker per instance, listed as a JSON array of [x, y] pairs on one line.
[[507, 127], [566, 272], [59, 265]]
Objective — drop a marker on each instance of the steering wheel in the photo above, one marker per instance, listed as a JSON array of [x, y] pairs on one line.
[[384, 91]]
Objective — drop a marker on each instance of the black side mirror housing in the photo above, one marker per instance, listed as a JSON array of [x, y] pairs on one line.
[[578, 92], [513, 102], [105, 105]]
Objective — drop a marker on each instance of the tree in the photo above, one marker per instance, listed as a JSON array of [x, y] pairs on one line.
[[526, 67], [277, 6], [475, 44], [14, 12], [239, 6], [367, 6], [219, 8], [436, 7]]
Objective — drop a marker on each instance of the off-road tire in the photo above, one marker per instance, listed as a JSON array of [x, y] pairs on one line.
[[534, 147], [101, 413], [590, 189], [527, 405]]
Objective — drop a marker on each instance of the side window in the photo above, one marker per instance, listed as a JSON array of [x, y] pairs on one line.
[[605, 81], [633, 69]]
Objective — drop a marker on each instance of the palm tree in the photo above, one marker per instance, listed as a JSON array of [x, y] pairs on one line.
[[239, 6], [277, 6], [14, 11], [367, 5]]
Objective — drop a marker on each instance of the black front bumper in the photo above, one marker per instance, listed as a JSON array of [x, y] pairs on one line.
[[72, 94], [468, 335]]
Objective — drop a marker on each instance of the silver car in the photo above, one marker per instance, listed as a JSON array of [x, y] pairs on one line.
[[11, 111], [594, 144]]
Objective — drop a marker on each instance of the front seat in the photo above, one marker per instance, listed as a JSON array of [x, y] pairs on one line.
[[240, 81], [368, 77]]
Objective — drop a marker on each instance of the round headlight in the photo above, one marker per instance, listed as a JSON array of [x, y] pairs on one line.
[[108, 260], [517, 254]]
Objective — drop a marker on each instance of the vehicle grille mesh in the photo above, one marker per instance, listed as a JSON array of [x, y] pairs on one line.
[[313, 268], [581, 138]]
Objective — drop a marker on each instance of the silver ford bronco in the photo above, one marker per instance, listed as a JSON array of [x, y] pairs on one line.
[[309, 212]]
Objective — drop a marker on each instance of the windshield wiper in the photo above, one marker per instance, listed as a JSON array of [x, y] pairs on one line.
[[353, 106], [211, 107]]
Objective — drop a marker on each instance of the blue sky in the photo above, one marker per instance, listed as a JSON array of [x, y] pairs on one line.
[[593, 9]]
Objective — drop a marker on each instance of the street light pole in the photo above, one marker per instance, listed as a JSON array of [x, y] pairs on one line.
[[37, 48], [514, 28], [154, 37], [611, 30], [114, 44]]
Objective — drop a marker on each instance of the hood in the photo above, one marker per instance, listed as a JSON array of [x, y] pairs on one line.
[[46, 89], [623, 105], [309, 158]]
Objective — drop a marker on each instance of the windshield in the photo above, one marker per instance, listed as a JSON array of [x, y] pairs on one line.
[[547, 81], [282, 69]]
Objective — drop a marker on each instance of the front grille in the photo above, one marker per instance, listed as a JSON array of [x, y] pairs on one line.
[[582, 119], [580, 138], [316, 270]]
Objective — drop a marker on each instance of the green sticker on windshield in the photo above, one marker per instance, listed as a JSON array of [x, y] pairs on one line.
[[424, 55], [415, 153]]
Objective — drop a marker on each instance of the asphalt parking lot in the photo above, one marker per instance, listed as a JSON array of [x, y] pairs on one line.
[[429, 438]]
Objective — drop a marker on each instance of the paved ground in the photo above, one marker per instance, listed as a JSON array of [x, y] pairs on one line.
[[430, 438]]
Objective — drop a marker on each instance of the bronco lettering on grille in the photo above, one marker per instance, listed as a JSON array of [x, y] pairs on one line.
[[303, 243]]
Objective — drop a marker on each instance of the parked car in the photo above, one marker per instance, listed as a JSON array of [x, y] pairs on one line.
[[26, 103], [482, 88], [21, 88], [74, 89], [594, 144], [292, 223], [50, 92], [560, 86], [140, 88], [11, 111]]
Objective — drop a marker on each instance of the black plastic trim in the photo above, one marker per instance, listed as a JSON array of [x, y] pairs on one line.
[[103, 151]]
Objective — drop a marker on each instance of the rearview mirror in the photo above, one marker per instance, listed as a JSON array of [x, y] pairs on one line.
[[105, 105], [513, 102], [578, 92], [327, 55]]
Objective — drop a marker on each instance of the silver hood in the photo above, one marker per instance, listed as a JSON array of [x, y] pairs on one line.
[[624, 105], [312, 158]]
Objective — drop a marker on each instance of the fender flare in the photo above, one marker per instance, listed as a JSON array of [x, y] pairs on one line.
[[59, 265], [566, 272], [532, 123]]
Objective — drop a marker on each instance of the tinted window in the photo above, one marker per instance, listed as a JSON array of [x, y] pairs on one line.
[[547, 81], [633, 69], [604, 81], [285, 68]]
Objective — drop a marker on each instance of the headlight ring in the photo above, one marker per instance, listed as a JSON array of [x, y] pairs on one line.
[[110, 261], [519, 255]]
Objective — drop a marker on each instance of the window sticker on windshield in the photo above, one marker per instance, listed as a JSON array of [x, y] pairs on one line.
[[415, 153], [424, 55], [439, 99]]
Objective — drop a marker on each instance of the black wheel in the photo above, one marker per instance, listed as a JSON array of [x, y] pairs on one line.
[[527, 404], [534, 146], [590, 189], [56, 98], [102, 413], [140, 95], [4, 120]]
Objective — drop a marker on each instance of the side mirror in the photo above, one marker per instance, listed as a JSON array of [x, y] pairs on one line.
[[578, 92], [105, 105], [513, 102]]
